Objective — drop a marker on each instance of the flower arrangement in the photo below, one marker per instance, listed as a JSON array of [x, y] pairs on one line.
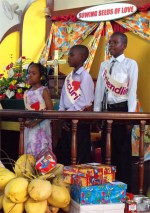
[[64, 18], [13, 80]]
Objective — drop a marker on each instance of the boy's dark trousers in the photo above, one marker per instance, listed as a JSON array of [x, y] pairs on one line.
[[121, 146], [63, 151]]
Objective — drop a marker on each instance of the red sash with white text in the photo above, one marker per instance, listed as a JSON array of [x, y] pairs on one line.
[[117, 88], [72, 88]]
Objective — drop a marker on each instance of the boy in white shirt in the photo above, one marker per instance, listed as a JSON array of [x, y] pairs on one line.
[[116, 91], [77, 95]]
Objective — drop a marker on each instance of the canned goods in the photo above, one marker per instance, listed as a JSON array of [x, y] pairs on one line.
[[146, 200], [146, 203], [138, 198], [139, 201], [131, 206]]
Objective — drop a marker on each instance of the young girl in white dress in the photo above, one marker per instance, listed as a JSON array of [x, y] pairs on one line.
[[37, 134]]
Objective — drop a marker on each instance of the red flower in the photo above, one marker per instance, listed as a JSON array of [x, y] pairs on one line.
[[144, 8], [55, 18], [64, 18], [19, 96], [12, 87], [73, 18], [1, 75], [2, 96], [9, 66], [18, 75], [23, 57]]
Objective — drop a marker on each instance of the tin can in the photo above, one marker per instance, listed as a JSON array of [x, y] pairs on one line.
[[138, 198], [131, 206], [146, 202], [139, 201]]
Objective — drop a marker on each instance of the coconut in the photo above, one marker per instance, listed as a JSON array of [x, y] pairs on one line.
[[59, 181], [52, 209], [5, 176], [39, 189], [17, 190], [67, 208], [32, 206], [58, 170], [59, 197], [10, 207], [25, 165], [1, 200]]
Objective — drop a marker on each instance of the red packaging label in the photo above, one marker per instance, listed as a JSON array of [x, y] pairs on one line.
[[46, 161]]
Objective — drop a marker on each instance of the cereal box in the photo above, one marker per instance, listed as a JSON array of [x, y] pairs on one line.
[[89, 174], [113, 192]]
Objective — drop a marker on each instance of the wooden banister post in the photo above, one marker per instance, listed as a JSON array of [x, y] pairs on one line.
[[74, 142], [141, 156], [21, 137], [108, 142]]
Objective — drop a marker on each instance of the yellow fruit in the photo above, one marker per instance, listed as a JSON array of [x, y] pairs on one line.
[[32, 206], [25, 165], [58, 170], [60, 197], [5, 176], [17, 190], [46, 176], [1, 200], [59, 181], [52, 209], [66, 209], [10, 207], [39, 189]]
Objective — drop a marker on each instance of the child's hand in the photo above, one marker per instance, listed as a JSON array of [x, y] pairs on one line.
[[88, 108], [31, 124]]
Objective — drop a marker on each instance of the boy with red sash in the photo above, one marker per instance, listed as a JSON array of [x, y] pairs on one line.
[[116, 91], [77, 95]]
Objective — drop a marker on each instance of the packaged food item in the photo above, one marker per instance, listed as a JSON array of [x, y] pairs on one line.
[[97, 208], [114, 192], [146, 202], [129, 196], [89, 174], [145, 205], [138, 198], [139, 201], [45, 161], [131, 206]]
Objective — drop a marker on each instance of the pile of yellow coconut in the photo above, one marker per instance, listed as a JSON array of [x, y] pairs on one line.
[[24, 190]]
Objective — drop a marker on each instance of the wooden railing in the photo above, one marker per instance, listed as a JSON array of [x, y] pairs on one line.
[[140, 119]]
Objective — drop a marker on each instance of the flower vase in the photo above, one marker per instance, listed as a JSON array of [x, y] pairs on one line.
[[12, 104]]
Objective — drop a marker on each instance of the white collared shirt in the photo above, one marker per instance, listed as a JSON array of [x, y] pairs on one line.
[[124, 70], [87, 92]]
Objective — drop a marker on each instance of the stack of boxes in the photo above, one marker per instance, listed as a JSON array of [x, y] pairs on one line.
[[93, 186]]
